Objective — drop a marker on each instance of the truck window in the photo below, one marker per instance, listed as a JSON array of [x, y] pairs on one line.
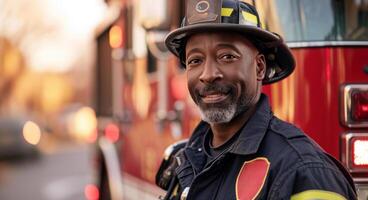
[[316, 20]]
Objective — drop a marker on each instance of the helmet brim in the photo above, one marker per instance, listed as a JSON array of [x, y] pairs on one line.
[[283, 57]]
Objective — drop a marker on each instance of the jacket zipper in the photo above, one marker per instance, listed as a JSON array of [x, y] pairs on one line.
[[219, 157]]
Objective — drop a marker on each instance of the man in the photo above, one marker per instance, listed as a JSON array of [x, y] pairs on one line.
[[240, 150]]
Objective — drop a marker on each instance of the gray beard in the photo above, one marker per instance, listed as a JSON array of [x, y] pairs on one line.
[[218, 115]]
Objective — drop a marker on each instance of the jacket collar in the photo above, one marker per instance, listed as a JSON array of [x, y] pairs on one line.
[[254, 130], [251, 134]]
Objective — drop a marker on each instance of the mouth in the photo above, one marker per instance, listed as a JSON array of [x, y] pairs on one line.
[[214, 94], [214, 97]]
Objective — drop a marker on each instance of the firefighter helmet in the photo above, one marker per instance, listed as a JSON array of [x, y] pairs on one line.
[[235, 16]]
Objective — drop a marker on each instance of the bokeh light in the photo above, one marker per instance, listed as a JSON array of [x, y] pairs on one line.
[[91, 192], [31, 132], [83, 124]]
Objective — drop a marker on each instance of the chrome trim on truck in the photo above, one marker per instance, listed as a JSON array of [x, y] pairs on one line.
[[110, 157], [326, 43]]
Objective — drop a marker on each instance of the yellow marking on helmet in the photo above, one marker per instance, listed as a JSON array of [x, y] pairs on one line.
[[226, 12], [249, 17], [317, 194]]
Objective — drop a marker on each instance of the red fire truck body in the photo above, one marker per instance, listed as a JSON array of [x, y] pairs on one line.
[[310, 97], [143, 104]]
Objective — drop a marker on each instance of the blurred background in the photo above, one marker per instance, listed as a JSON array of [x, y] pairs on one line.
[[47, 56]]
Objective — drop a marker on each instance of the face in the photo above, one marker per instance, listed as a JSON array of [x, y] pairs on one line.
[[224, 73]]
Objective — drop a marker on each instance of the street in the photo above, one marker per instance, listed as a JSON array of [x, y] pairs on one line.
[[60, 174]]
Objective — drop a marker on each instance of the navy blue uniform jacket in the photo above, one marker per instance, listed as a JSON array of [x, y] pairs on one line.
[[271, 159]]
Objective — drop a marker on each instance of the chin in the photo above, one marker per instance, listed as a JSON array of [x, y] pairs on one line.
[[218, 114]]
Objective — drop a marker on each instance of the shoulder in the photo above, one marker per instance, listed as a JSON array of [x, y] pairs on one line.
[[295, 149], [292, 143], [299, 164]]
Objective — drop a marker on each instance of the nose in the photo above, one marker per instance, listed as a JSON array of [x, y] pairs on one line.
[[210, 73]]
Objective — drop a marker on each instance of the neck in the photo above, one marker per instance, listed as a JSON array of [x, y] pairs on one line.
[[224, 131]]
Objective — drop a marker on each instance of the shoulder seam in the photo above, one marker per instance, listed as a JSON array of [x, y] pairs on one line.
[[275, 119]]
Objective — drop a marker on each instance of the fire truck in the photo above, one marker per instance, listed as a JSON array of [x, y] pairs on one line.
[[143, 105]]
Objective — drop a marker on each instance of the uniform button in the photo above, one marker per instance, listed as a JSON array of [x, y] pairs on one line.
[[200, 149]]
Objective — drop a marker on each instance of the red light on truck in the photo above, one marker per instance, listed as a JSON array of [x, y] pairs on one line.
[[354, 105], [360, 105], [112, 132]]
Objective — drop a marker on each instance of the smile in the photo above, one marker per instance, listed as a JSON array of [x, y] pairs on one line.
[[214, 98]]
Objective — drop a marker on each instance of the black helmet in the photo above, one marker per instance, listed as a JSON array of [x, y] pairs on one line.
[[233, 16]]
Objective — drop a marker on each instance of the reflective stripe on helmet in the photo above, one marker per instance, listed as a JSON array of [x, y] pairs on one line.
[[317, 194], [226, 12], [249, 17]]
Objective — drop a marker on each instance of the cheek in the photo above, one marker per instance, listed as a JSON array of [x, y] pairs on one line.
[[246, 83], [190, 79], [247, 77], [191, 84]]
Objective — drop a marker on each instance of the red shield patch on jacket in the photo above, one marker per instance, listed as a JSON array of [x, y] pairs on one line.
[[251, 178]]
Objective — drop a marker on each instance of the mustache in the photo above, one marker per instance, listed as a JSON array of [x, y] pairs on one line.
[[214, 88]]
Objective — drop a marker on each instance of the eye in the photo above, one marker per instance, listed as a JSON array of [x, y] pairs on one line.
[[228, 57], [194, 61]]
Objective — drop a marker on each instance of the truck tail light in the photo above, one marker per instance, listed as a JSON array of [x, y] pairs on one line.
[[359, 106], [354, 105], [355, 148]]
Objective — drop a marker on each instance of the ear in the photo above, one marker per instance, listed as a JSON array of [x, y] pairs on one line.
[[261, 67]]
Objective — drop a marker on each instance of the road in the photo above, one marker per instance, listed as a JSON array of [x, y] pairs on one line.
[[60, 174]]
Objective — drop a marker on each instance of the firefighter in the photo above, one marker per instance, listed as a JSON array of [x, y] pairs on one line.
[[240, 150]]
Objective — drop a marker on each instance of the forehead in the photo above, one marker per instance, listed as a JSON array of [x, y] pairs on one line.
[[213, 39]]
